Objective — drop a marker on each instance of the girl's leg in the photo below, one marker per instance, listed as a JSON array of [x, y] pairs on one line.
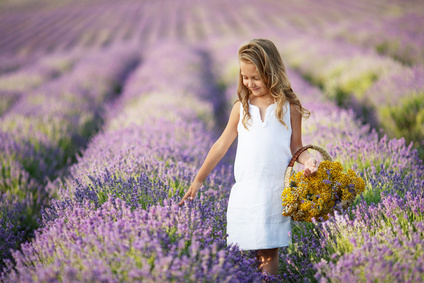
[[268, 260]]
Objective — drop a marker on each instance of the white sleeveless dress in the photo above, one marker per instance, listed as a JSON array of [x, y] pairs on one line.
[[254, 215]]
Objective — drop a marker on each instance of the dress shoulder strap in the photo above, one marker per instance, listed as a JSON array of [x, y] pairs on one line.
[[241, 111], [287, 116]]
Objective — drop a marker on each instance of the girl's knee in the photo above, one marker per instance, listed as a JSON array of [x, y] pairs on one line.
[[268, 253]]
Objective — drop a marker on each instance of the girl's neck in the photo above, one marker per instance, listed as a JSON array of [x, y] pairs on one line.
[[265, 100]]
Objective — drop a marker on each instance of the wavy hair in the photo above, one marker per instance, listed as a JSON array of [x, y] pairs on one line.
[[270, 67]]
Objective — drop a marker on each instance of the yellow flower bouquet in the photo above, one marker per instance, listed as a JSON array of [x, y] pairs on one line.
[[318, 196]]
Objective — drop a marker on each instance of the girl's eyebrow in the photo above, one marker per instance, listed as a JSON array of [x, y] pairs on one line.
[[247, 76]]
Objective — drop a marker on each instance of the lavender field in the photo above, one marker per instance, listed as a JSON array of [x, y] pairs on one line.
[[108, 109]]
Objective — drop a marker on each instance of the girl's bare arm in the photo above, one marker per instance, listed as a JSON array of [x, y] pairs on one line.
[[217, 151], [296, 143]]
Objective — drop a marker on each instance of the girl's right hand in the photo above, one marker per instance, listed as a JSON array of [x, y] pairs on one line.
[[310, 167], [191, 192]]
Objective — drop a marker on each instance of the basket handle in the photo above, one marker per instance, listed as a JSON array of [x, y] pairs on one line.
[[324, 153]]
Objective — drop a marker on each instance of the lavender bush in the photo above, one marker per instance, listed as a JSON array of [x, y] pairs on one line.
[[395, 36], [389, 27], [114, 243], [188, 249], [31, 76], [116, 217], [11, 208], [14, 85], [43, 131], [340, 69], [131, 140], [402, 114], [386, 165], [61, 116], [12, 63], [383, 242]]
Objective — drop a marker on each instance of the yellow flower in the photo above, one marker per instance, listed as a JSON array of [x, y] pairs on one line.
[[317, 196]]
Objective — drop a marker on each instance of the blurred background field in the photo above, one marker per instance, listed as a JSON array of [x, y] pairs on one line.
[[104, 100]]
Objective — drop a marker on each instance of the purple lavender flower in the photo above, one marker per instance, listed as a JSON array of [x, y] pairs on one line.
[[116, 217]]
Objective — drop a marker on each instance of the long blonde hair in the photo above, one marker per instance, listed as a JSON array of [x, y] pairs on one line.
[[270, 67]]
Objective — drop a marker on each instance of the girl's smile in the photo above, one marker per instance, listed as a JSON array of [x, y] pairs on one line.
[[252, 80]]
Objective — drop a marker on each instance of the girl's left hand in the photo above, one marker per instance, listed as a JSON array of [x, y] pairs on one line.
[[310, 167], [191, 192]]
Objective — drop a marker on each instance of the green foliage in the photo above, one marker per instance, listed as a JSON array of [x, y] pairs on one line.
[[395, 223], [370, 195], [387, 47], [404, 119], [405, 53], [341, 87], [12, 179]]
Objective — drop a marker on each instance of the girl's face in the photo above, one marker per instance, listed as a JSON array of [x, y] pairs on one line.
[[252, 80]]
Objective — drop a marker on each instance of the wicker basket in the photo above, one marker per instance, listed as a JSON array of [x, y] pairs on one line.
[[289, 170], [326, 156]]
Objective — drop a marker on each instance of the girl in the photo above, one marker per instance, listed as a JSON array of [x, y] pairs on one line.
[[267, 120]]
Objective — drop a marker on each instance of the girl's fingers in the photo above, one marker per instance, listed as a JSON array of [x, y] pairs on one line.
[[184, 198], [309, 173], [188, 196]]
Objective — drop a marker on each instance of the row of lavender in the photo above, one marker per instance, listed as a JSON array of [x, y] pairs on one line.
[[14, 85], [134, 160], [381, 90], [28, 35], [118, 218], [384, 227], [375, 230], [350, 151], [45, 128], [392, 28], [66, 26]]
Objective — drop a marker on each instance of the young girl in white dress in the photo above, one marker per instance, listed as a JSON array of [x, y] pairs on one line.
[[267, 120]]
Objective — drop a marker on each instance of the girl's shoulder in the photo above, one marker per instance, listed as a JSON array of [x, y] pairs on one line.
[[295, 111], [237, 106], [235, 111]]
